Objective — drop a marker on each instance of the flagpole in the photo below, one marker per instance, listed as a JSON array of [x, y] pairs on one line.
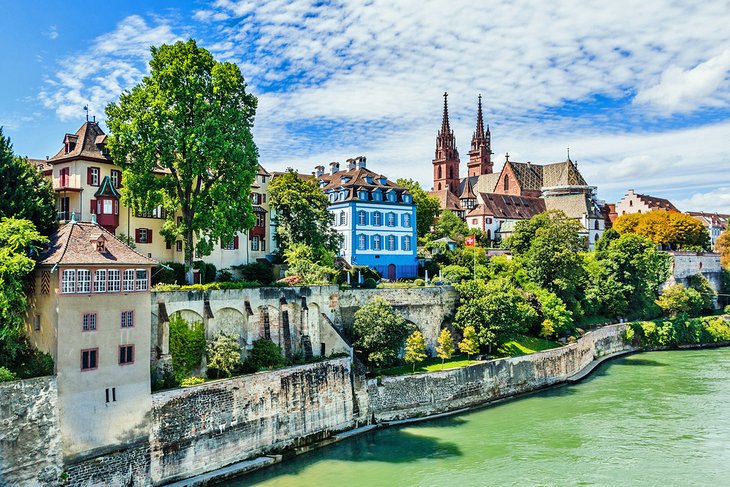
[[475, 257]]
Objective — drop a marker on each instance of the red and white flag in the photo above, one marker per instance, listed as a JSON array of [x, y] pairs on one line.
[[470, 241]]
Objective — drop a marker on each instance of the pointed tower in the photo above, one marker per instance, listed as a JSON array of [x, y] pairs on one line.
[[446, 162], [480, 155]]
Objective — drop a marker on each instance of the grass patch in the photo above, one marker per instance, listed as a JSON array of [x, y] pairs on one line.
[[524, 345], [431, 364]]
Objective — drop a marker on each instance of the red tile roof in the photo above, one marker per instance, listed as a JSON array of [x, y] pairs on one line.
[[508, 206]]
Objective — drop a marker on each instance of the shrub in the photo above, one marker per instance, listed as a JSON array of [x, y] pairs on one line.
[[455, 273], [265, 354], [207, 271], [31, 362], [727, 309], [174, 275], [6, 375], [370, 283], [256, 271], [355, 273], [419, 282], [187, 345], [717, 329], [225, 275], [223, 354], [191, 381]]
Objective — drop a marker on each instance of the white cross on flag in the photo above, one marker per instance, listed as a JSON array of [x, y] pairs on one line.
[[469, 241]]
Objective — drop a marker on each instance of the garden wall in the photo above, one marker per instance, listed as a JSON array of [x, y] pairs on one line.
[[410, 396]]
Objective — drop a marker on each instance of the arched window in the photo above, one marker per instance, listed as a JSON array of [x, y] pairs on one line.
[[506, 183], [451, 172], [596, 227], [438, 172], [391, 242], [439, 187]]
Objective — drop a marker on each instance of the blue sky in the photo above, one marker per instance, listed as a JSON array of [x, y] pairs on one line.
[[640, 91]]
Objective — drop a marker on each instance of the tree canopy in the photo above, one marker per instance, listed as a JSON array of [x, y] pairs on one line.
[[450, 225], [722, 246], [668, 229], [301, 214], [427, 207], [380, 331], [24, 192], [183, 139]]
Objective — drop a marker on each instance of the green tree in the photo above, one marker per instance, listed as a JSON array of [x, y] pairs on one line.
[[303, 261], [18, 240], [678, 299], [445, 347], [265, 354], [415, 350], [427, 207], [450, 225], [187, 345], [183, 139], [224, 354], [699, 283], [380, 332], [24, 192], [301, 214], [470, 342], [556, 317]]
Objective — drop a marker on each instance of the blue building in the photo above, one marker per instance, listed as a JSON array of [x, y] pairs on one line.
[[376, 218]]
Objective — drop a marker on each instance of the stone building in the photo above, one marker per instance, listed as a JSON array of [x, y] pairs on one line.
[[90, 310], [376, 218], [633, 202], [87, 182]]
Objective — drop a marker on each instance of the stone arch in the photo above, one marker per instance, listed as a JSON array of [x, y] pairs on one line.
[[230, 321], [189, 315]]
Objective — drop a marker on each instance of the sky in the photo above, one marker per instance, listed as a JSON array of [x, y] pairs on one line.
[[639, 91]]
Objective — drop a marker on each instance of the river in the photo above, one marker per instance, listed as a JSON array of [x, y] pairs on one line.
[[653, 419]]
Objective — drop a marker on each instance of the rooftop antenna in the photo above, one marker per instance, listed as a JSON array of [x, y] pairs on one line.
[[568, 152], [86, 109]]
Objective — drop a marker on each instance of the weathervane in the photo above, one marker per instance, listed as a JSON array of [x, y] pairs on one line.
[[86, 109]]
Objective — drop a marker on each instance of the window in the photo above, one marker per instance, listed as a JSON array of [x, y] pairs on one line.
[[256, 198], [89, 322], [474, 221], [156, 212], [92, 176], [65, 177], [377, 219], [107, 208], [228, 245], [113, 395], [129, 280], [127, 319], [376, 242], [362, 242], [361, 218], [116, 178], [391, 242], [89, 359], [363, 195], [141, 280], [255, 242], [506, 183], [143, 235], [126, 354], [344, 243], [179, 246], [406, 219], [37, 323], [407, 243], [113, 284], [391, 219], [100, 281], [261, 220], [489, 220], [343, 218], [68, 281]]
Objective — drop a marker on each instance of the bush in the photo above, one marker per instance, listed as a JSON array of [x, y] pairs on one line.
[[727, 309], [223, 355], [370, 283], [207, 271], [225, 275], [33, 363], [174, 275], [191, 381], [6, 375], [265, 354], [256, 271], [355, 273], [187, 345], [419, 282], [207, 287], [455, 273]]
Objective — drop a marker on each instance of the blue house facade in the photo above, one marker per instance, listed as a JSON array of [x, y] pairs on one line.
[[376, 218]]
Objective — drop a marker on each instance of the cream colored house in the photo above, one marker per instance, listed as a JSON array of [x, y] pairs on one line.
[[90, 310], [87, 182], [633, 202]]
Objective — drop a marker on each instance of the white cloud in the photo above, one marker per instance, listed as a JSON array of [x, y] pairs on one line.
[[52, 33], [717, 200]]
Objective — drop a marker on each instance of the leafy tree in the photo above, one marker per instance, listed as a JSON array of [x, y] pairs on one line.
[[556, 318], [18, 240], [699, 283], [668, 229], [303, 261], [455, 273], [380, 331], [722, 246], [678, 299], [548, 246], [608, 236], [301, 214], [445, 347], [24, 192], [415, 350], [450, 225], [183, 139], [265, 354], [470, 342], [427, 207], [224, 354]]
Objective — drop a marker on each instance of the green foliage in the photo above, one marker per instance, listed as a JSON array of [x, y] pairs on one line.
[[678, 331], [187, 345], [6, 375], [174, 275], [355, 273], [207, 271], [213, 286], [470, 342], [556, 319], [31, 362], [304, 261], [301, 214], [609, 235], [455, 273], [225, 275], [678, 299], [380, 332], [419, 282], [265, 354], [192, 381], [18, 241], [450, 225], [415, 350], [255, 271], [496, 310], [192, 118], [699, 283], [370, 283], [445, 347], [224, 355], [427, 207], [24, 192]]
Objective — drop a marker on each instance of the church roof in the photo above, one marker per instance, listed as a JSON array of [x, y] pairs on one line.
[[88, 140], [71, 245], [447, 199], [574, 205], [656, 203], [561, 174], [507, 206]]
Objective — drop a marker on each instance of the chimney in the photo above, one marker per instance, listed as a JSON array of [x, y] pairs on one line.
[[350, 164], [334, 167], [360, 162], [318, 170]]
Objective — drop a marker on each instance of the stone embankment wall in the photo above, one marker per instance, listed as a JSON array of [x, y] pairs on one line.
[[30, 438], [205, 427], [687, 264], [427, 307], [412, 396]]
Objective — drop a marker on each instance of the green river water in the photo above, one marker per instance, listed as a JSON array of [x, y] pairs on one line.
[[654, 419]]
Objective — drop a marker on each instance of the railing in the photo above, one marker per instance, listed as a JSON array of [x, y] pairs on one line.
[[66, 215]]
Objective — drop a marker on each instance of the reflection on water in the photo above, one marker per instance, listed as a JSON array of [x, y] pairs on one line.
[[660, 418]]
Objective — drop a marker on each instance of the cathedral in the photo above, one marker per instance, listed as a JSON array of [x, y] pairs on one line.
[[493, 202]]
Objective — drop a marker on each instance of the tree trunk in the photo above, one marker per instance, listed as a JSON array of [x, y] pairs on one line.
[[189, 247]]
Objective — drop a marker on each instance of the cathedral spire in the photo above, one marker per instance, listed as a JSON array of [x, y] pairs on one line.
[[445, 126], [446, 160], [480, 155], [480, 119]]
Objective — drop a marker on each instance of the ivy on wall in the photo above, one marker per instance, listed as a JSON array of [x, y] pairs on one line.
[[187, 345]]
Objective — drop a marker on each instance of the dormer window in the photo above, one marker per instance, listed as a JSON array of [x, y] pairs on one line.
[[369, 179], [99, 243]]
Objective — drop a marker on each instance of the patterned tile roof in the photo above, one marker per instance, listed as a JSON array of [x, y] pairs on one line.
[[711, 219], [574, 205], [536, 176], [72, 244], [507, 206]]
